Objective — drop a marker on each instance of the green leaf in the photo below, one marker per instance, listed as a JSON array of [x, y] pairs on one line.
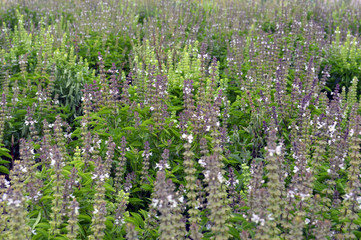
[[328, 89], [177, 168], [357, 234], [37, 220], [42, 231], [85, 218], [147, 187], [46, 198], [4, 170], [43, 226], [136, 143], [129, 128], [65, 172], [234, 232], [139, 219], [61, 238], [109, 224], [340, 188], [135, 200], [108, 187], [81, 230], [237, 218], [4, 152]]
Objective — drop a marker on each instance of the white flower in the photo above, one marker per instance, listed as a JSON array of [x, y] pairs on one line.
[[320, 125], [304, 196], [295, 169], [33, 231], [291, 194], [206, 174], [76, 210], [16, 202], [271, 152], [5, 196], [67, 135], [332, 128], [147, 155], [103, 176], [7, 183], [255, 218], [127, 188], [173, 203], [117, 221], [220, 177], [307, 221], [52, 162], [358, 199], [151, 108], [202, 162], [235, 182], [161, 167], [155, 202], [349, 195], [208, 226], [190, 138], [279, 150], [95, 211], [23, 169]]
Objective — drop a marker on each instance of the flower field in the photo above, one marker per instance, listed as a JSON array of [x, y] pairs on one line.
[[170, 119]]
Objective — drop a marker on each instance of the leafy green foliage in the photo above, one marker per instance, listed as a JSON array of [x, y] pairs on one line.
[[151, 119]]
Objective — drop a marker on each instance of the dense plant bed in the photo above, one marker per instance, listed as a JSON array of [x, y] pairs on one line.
[[140, 119]]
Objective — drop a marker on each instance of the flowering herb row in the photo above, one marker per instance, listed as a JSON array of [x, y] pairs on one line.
[[140, 119]]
